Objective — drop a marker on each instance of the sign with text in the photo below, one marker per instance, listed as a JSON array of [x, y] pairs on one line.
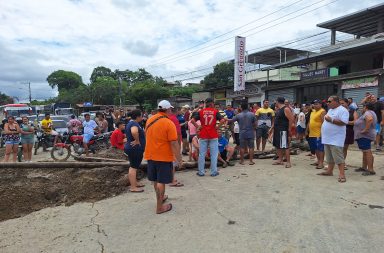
[[239, 75], [250, 91], [319, 73], [360, 83]]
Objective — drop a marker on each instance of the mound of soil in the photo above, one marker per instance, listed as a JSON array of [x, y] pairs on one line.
[[112, 153], [23, 191]]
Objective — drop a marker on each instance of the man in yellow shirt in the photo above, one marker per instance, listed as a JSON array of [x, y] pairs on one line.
[[47, 126], [315, 122], [265, 118]]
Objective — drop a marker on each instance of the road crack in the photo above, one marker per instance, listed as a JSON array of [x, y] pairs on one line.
[[98, 228]]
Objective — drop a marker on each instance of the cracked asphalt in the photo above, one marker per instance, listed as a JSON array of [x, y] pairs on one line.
[[260, 208]]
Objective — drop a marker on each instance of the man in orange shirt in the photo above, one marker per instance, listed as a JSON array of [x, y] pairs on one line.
[[162, 148]]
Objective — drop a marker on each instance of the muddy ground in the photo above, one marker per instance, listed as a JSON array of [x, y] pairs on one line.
[[23, 191]]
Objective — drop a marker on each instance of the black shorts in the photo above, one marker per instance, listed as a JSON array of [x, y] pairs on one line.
[[262, 131], [280, 139], [191, 138], [184, 134], [160, 172], [135, 156]]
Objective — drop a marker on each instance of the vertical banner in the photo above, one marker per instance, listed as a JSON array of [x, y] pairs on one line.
[[239, 78]]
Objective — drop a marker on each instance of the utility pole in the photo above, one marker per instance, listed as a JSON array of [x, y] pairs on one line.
[[120, 90], [30, 93]]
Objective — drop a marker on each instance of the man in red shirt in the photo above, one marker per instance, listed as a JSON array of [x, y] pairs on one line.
[[208, 135], [118, 136]]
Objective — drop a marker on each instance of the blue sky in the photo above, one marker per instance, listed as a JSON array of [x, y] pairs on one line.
[[39, 37]]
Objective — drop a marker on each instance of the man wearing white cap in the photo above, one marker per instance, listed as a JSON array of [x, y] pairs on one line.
[[161, 149]]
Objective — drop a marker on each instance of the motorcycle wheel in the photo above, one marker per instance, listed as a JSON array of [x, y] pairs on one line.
[[60, 154]]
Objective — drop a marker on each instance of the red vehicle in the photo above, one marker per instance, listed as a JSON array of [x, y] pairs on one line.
[[62, 151]]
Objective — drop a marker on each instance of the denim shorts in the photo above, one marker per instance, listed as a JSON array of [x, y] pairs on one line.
[[87, 138], [10, 142], [378, 128], [315, 144], [27, 141], [364, 143]]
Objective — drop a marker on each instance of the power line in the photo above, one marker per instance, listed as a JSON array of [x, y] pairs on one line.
[[237, 28], [188, 55]]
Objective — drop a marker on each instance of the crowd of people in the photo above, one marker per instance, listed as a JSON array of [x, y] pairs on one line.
[[205, 132]]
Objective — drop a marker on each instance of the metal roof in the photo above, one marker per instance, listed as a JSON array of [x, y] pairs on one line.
[[363, 23], [365, 46], [275, 55]]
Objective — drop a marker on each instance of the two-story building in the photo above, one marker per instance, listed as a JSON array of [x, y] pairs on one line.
[[349, 69]]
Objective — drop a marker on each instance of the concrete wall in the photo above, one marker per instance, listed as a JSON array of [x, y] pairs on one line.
[[285, 74]]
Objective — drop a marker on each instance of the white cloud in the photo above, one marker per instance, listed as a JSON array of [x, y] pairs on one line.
[[78, 35]]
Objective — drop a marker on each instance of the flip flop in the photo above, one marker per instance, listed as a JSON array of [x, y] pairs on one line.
[[319, 168], [138, 191], [140, 185], [167, 209], [314, 164], [277, 163], [288, 166], [325, 174], [368, 173], [360, 170], [251, 163], [178, 184], [342, 180]]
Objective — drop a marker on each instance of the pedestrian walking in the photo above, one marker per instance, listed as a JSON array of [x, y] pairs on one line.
[[282, 131], [134, 148], [208, 135], [247, 125], [365, 133], [161, 149], [333, 132]]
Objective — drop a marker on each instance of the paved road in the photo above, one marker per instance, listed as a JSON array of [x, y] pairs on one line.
[[260, 208]]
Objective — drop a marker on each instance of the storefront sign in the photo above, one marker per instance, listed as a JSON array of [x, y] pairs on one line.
[[319, 73], [250, 91], [239, 78], [219, 95], [360, 83]]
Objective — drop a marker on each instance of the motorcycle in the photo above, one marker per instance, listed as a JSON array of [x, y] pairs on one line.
[[62, 151], [43, 140]]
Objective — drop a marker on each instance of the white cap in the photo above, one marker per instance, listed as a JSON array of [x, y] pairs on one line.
[[164, 104], [186, 106]]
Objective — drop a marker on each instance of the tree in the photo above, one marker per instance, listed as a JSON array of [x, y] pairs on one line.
[[146, 92], [64, 80], [5, 99], [184, 91], [102, 72], [105, 91], [222, 76]]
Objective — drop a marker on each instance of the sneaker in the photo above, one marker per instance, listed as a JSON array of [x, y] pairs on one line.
[[215, 174], [200, 175]]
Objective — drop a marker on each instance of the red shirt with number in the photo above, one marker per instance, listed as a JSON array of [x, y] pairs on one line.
[[208, 118]]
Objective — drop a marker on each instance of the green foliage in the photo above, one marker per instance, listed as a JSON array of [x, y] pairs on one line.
[[44, 102], [146, 92], [184, 91], [64, 80], [105, 91], [222, 76], [102, 71], [5, 99]]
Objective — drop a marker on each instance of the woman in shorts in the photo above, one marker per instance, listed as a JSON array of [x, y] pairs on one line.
[[11, 138], [27, 139], [192, 133], [134, 148]]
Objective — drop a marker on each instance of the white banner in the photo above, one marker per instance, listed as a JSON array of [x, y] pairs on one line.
[[239, 79]]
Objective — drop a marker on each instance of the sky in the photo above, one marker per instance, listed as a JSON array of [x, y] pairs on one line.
[[176, 39]]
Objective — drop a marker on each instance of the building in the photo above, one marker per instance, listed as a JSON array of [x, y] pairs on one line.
[[349, 69]]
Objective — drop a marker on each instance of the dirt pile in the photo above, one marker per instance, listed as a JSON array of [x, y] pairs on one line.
[[23, 191], [112, 153]]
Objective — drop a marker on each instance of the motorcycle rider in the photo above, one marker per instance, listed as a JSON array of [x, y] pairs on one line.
[[47, 126], [90, 127]]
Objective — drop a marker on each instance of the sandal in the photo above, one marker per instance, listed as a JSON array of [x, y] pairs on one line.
[[325, 173], [178, 184], [342, 180], [225, 165], [360, 170], [319, 168], [288, 165], [314, 164], [368, 173], [137, 191], [278, 163], [167, 209], [251, 163]]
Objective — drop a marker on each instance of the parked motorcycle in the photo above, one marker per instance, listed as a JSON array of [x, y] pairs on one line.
[[43, 140], [62, 151]]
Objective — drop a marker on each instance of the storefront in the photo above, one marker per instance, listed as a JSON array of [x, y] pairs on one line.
[[358, 88], [219, 97], [288, 94]]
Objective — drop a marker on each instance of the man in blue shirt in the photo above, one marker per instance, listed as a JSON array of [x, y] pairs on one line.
[[225, 152]]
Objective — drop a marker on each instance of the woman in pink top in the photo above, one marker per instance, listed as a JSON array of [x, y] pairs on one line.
[[192, 133]]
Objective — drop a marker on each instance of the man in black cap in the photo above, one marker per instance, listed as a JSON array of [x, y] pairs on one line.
[[281, 129]]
